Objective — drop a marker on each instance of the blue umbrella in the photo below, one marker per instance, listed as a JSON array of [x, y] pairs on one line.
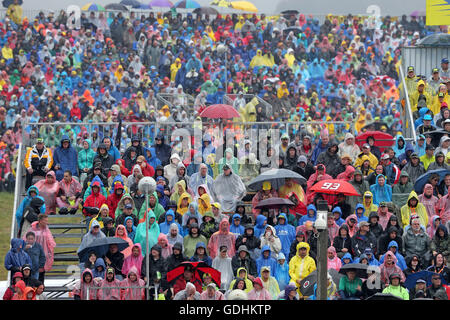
[[7, 3], [101, 247], [410, 281], [276, 178], [423, 179]]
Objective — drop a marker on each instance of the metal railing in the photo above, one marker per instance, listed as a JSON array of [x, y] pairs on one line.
[[229, 99], [409, 130], [186, 101], [424, 58]]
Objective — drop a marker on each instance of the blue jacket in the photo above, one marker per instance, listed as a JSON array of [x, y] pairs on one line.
[[165, 226], [239, 229], [259, 227], [381, 194], [396, 148], [26, 201], [207, 259], [318, 150], [404, 155], [66, 158], [306, 217], [286, 233], [339, 221], [16, 256], [362, 217], [113, 151], [282, 274], [271, 262], [401, 263], [131, 234], [95, 273], [153, 161], [347, 256], [37, 257]]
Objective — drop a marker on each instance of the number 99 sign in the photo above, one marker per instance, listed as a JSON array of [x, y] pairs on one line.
[[330, 186]]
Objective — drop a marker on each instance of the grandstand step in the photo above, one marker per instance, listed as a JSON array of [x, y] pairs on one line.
[[67, 226], [65, 257], [57, 289], [62, 216], [67, 245], [68, 235]]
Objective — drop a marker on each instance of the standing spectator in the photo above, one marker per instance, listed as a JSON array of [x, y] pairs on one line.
[[36, 254], [65, 158]]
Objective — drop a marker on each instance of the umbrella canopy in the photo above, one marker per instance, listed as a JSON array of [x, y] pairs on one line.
[[144, 7], [436, 39], [221, 3], [289, 12], [132, 3], [7, 3], [334, 186], [92, 7], [307, 284], [276, 177], [383, 296], [296, 30], [374, 126], [436, 136], [220, 111], [274, 203], [382, 139], [187, 4], [206, 10], [423, 179], [101, 247], [198, 269], [116, 6], [361, 269], [244, 6], [410, 281], [161, 4]]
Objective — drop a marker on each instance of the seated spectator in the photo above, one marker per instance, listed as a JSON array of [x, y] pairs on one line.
[[69, 197]]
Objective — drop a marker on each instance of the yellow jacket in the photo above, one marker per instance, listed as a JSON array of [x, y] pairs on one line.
[[362, 157], [419, 210], [282, 91], [436, 106], [300, 268], [15, 12], [174, 67], [184, 209], [414, 96], [201, 209]]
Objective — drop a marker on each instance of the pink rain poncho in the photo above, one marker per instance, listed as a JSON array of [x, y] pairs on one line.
[[45, 238], [109, 290], [81, 288], [334, 263], [132, 293], [133, 261], [48, 190], [165, 246], [127, 251], [223, 237]]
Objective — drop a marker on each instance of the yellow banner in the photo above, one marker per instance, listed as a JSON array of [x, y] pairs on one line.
[[438, 12]]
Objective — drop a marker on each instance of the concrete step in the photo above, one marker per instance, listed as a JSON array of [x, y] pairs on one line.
[[62, 216], [67, 245], [66, 257], [68, 235], [67, 226]]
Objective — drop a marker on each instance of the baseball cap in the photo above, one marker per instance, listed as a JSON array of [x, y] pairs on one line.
[[26, 267], [128, 206], [285, 136], [39, 140], [383, 204], [216, 204], [265, 268], [384, 156], [226, 166], [441, 94], [415, 155], [444, 60], [435, 70], [447, 121], [421, 281], [302, 159], [267, 185], [410, 68], [430, 147], [427, 117], [223, 248], [363, 223], [366, 145]]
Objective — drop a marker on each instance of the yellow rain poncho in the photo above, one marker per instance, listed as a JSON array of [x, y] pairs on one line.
[[248, 113]]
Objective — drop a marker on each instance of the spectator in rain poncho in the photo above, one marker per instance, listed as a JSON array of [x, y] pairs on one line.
[[222, 263], [228, 189], [153, 232]]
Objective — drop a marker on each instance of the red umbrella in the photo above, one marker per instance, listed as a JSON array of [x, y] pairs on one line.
[[220, 111], [382, 139], [198, 269], [334, 186]]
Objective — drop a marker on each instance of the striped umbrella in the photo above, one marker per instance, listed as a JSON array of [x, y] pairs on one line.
[[221, 3], [92, 7], [244, 6], [161, 4], [187, 4]]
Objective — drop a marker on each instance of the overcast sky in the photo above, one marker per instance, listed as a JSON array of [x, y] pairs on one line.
[[387, 7]]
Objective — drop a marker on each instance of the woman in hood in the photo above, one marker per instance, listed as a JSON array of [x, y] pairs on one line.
[[413, 207], [440, 243], [84, 285], [134, 260], [121, 233], [48, 189], [333, 260], [133, 286], [389, 267], [183, 203], [348, 146], [153, 232], [166, 247], [271, 239], [381, 190]]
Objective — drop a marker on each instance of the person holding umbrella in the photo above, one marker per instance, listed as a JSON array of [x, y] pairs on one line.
[[350, 286]]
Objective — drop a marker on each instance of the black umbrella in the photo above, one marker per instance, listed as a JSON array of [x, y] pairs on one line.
[[296, 30], [361, 269], [276, 177], [383, 296], [307, 284], [206, 10], [436, 136], [274, 203], [421, 181], [116, 6], [289, 12], [132, 3], [101, 247], [7, 3], [374, 126]]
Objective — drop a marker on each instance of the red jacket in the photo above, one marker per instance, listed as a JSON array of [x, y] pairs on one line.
[[94, 200], [112, 201], [148, 171]]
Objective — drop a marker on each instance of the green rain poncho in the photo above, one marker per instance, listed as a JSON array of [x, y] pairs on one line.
[[153, 233]]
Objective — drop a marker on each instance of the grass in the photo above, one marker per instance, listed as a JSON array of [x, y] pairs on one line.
[[6, 210]]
